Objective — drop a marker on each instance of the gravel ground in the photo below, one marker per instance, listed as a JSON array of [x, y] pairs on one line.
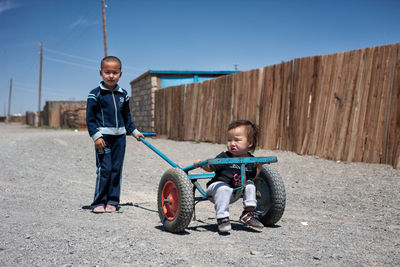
[[337, 214]]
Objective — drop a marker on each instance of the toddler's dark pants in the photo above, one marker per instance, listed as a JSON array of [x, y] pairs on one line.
[[109, 163]]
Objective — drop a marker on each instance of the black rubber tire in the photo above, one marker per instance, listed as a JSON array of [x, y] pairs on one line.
[[271, 195], [184, 211]]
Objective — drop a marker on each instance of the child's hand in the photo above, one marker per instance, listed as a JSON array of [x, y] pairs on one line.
[[138, 136], [100, 144], [259, 167], [205, 167], [196, 163]]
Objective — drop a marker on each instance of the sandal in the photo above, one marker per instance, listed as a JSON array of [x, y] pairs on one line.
[[110, 208], [98, 209]]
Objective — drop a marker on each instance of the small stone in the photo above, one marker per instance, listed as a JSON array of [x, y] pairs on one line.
[[317, 258], [28, 237], [268, 256], [254, 252]]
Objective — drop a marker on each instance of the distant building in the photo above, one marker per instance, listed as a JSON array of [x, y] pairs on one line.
[[144, 86], [65, 113]]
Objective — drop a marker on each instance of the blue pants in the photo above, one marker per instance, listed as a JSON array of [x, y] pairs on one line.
[[109, 163]]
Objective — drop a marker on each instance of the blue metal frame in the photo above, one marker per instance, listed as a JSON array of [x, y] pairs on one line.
[[194, 177]]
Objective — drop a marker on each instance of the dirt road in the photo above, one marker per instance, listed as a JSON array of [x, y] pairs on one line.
[[337, 214]]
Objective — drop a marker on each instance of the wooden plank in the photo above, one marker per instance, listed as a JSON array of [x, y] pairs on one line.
[[382, 122], [369, 113], [265, 109], [374, 106], [276, 105], [304, 103], [181, 132], [212, 111], [311, 113], [340, 96], [200, 116], [304, 76], [219, 108], [376, 152], [157, 111], [332, 106], [188, 112], [285, 105], [362, 125], [205, 114], [326, 88], [253, 96], [262, 110], [235, 95], [348, 95], [320, 77], [351, 142], [391, 86], [228, 93], [295, 109], [168, 113], [393, 145]]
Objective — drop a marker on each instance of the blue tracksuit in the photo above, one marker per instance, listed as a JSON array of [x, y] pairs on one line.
[[108, 116]]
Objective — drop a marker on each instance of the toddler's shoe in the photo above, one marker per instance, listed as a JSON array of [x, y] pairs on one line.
[[98, 209], [224, 225], [111, 208], [250, 218]]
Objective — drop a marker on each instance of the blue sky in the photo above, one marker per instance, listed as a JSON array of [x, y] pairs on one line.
[[172, 35]]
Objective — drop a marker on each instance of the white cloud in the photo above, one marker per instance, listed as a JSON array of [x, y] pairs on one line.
[[7, 5], [83, 22]]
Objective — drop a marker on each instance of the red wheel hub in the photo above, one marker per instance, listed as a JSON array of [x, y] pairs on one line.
[[170, 200]]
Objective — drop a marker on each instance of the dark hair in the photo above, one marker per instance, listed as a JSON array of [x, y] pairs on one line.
[[252, 131], [111, 58]]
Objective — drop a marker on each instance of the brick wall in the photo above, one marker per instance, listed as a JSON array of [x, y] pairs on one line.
[[142, 102]]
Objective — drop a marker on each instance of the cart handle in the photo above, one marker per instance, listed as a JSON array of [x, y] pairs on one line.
[[158, 152], [148, 134], [232, 160]]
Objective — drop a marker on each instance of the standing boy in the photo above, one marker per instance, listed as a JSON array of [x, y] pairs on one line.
[[109, 120]]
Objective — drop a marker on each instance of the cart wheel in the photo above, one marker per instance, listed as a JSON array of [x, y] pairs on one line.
[[175, 200], [271, 195]]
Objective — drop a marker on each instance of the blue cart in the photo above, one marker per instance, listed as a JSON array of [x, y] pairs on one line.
[[176, 198]]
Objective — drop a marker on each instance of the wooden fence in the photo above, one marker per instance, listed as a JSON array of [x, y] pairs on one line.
[[344, 106]]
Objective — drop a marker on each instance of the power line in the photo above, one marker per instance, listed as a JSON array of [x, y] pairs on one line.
[[70, 63], [69, 55]]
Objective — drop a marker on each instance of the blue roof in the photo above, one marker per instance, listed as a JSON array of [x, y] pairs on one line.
[[195, 72]]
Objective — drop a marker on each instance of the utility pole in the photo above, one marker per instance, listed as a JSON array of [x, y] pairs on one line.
[[40, 80], [9, 102], [104, 27]]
